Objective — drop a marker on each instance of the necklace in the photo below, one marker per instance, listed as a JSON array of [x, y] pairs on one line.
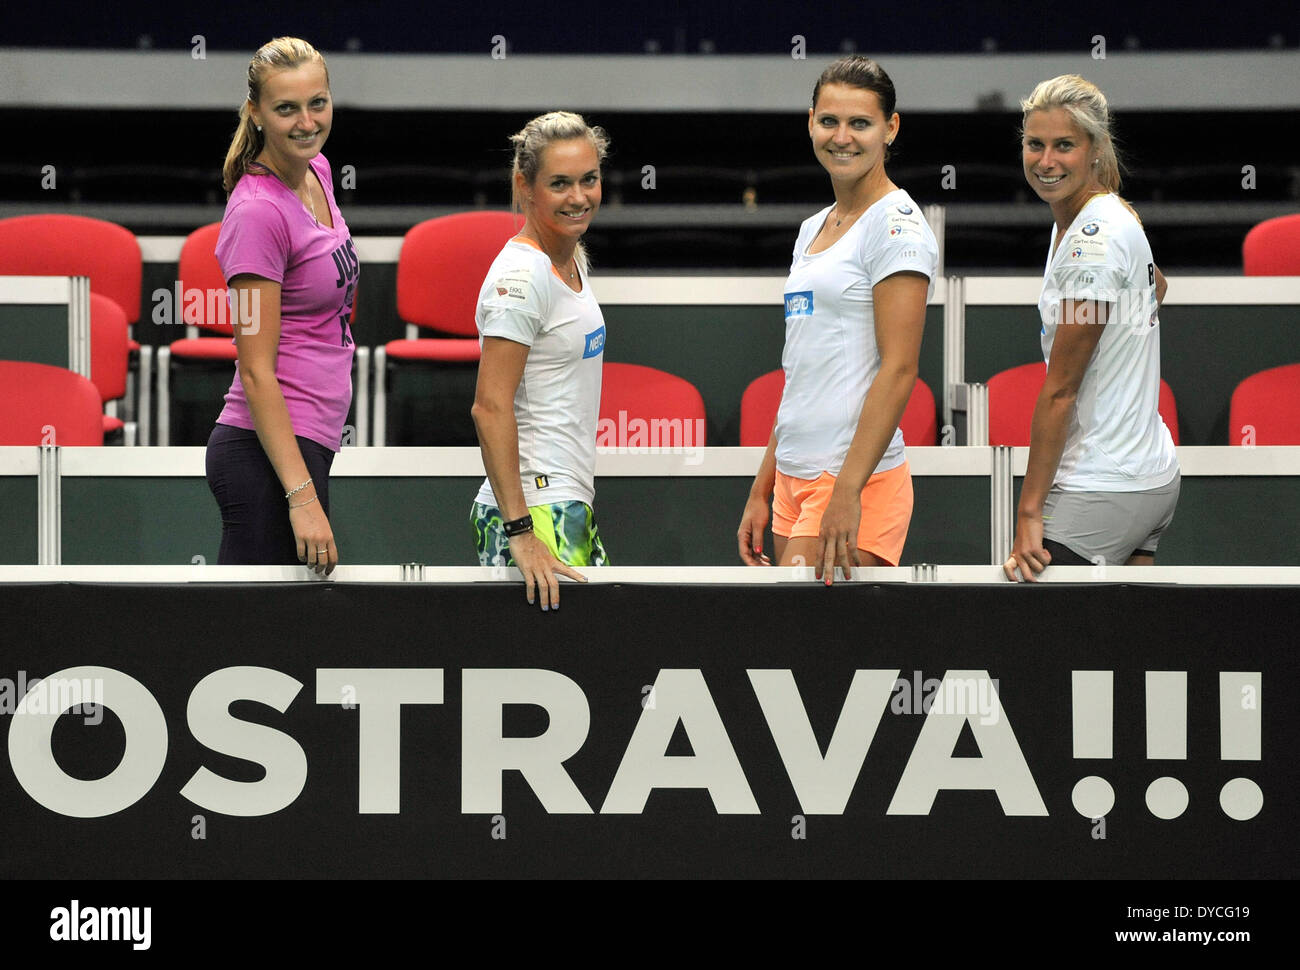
[[310, 203], [846, 215], [559, 270]]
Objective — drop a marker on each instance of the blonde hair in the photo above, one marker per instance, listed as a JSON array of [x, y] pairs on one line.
[[280, 54], [1087, 106], [538, 135]]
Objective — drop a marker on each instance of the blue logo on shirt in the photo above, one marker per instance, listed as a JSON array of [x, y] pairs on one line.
[[1090, 229], [595, 343], [799, 304], [904, 208]]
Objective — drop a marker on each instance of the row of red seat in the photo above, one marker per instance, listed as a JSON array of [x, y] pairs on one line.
[[438, 257], [50, 405], [1268, 402]]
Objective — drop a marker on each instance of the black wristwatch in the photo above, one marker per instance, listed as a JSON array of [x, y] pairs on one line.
[[517, 527]]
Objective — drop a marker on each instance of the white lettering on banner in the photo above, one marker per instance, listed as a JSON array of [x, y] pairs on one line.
[[485, 753], [212, 724], [1000, 767], [103, 923], [823, 784], [680, 695], [32, 757], [380, 695]]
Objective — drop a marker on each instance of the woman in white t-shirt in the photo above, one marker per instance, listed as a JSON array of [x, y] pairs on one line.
[[863, 268], [1102, 480], [543, 338]]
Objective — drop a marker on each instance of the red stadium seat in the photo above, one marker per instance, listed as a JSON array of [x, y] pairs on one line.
[[1013, 393], [440, 271], [762, 399], [758, 407], [1265, 408], [44, 405], [632, 393], [64, 245], [1272, 248], [198, 273], [109, 356], [54, 244], [920, 421]]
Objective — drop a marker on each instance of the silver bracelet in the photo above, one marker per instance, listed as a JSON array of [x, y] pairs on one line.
[[289, 495], [302, 504]]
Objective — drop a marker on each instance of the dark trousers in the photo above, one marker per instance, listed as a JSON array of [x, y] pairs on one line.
[[255, 529]]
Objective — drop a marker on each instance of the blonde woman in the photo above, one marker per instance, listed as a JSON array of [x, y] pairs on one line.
[[543, 338], [286, 253], [1103, 479]]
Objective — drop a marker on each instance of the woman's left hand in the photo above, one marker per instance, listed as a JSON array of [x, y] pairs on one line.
[[1027, 552], [837, 542]]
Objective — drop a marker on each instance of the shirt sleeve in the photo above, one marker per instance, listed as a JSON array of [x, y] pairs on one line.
[[253, 239], [1092, 263], [903, 243], [515, 305]]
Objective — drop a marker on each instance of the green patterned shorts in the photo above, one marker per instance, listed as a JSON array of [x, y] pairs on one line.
[[567, 528]]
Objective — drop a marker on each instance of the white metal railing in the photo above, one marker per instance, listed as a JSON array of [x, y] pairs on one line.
[[658, 575], [1000, 465]]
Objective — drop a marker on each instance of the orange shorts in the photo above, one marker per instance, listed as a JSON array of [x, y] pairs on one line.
[[798, 504]]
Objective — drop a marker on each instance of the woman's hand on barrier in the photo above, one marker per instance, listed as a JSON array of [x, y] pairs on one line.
[[1027, 552], [540, 569], [837, 542], [313, 535], [750, 535]]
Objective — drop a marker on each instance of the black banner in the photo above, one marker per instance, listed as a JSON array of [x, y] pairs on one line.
[[341, 731]]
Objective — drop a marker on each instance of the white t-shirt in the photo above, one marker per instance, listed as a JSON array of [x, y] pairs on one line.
[[830, 356], [558, 400], [1117, 441]]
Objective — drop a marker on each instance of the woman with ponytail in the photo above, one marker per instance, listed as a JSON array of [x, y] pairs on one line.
[[543, 337], [834, 481], [1103, 479], [289, 262]]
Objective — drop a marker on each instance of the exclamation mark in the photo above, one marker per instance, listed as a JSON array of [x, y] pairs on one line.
[[1092, 700], [1167, 738], [1239, 739]]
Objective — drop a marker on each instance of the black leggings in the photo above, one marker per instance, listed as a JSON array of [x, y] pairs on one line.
[[255, 529]]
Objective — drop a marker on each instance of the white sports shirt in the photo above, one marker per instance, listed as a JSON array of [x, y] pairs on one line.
[[558, 400], [830, 356], [1117, 441]]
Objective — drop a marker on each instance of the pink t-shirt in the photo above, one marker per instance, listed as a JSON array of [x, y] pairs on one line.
[[268, 232]]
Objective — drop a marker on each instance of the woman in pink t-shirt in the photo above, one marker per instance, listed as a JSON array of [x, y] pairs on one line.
[[288, 259]]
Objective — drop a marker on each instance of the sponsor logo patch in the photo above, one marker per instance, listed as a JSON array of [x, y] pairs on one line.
[[799, 304], [595, 343], [512, 288], [904, 224]]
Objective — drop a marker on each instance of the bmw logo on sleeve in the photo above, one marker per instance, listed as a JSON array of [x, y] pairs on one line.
[[799, 304], [595, 343], [904, 208], [1090, 229]]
